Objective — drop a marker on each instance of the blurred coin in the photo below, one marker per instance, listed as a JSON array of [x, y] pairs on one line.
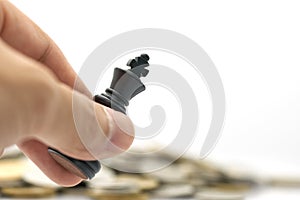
[[137, 162], [115, 186], [145, 183], [11, 170], [201, 171], [112, 196], [198, 173], [117, 189], [170, 174], [174, 191], [236, 187], [237, 172], [11, 152], [240, 175], [69, 197], [208, 166], [35, 176], [210, 194], [283, 181], [188, 166], [77, 190], [105, 174], [197, 183], [207, 177], [16, 183], [28, 192], [247, 183]]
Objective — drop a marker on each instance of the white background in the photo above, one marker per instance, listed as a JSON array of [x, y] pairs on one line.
[[255, 46]]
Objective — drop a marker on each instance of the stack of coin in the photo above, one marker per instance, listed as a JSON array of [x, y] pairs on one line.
[[186, 178]]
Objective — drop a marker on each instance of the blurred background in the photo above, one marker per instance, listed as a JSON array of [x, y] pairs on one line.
[[255, 46]]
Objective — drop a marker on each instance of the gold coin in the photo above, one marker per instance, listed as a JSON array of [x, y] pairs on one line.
[[284, 182], [11, 169], [28, 192], [232, 187], [144, 183], [16, 183], [139, 196]]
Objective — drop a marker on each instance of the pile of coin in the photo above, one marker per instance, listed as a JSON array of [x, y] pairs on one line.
[[185, 178]]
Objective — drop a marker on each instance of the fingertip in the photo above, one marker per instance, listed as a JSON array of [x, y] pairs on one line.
[[121, 131], [118, 132], [119, 122]]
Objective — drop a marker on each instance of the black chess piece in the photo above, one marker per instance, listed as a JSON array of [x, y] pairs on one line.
[[125, 85]]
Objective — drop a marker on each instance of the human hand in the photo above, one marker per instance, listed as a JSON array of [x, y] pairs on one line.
[[36, 110]]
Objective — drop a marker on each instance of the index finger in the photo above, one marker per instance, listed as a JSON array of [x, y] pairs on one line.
[[17, 30]]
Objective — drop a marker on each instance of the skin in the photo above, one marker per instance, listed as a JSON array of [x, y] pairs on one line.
[[36, 90]]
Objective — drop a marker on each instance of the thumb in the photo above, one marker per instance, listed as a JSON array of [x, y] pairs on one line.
[[83, 129]]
